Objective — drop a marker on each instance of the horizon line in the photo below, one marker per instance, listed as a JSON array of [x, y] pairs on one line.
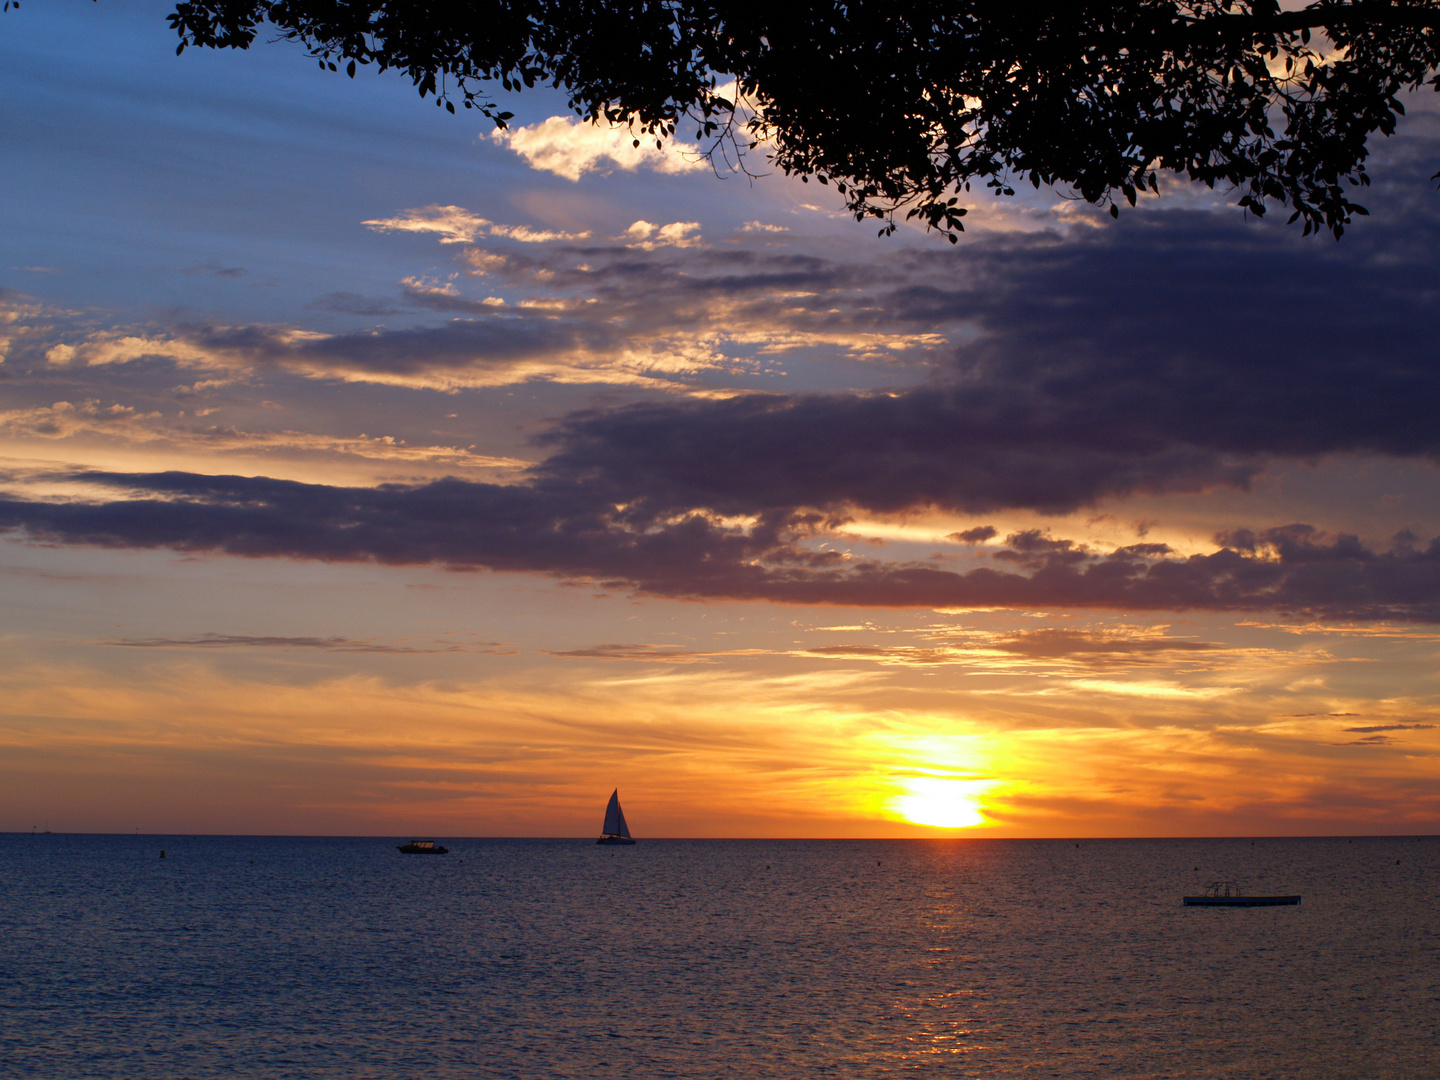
[[957, 835]]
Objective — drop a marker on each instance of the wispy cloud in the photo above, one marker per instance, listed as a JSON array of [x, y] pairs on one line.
[[103, 348], [499, 345], [456, 225], [666, 654], [65, 420], [1391, 727], [325, 644], [1047, 649]]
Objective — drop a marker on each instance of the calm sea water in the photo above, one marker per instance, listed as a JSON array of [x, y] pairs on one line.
[[245, 957]]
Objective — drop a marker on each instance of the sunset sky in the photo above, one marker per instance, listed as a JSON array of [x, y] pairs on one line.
[[366, 471]]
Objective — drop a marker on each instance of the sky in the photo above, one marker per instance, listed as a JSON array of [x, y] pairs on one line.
[[367, 471]]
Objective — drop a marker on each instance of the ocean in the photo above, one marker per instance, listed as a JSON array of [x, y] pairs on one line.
[[279, 957]]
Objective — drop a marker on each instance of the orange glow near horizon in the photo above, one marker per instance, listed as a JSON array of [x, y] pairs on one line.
[[400, 710]]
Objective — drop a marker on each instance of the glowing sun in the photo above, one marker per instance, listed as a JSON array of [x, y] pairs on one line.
[[945, 804]]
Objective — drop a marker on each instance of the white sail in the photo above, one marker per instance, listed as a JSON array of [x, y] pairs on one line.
[[615, 817]]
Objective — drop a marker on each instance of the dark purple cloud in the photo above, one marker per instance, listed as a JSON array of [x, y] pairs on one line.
[[1173, 355], [574, 530], [973, 450]]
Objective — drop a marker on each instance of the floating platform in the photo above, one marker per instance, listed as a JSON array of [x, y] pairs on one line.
[[1227, 894]]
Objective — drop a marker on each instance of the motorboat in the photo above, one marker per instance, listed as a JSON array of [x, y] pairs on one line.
[[422, 847]]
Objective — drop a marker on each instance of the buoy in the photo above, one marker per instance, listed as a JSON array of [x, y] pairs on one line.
[[162, 852]]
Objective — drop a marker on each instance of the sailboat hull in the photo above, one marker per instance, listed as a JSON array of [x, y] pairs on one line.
[[615, 840]]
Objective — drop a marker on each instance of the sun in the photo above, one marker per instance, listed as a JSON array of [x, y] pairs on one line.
[[942, 803]]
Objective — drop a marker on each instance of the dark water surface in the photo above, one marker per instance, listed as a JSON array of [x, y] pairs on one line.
[[246, 957]]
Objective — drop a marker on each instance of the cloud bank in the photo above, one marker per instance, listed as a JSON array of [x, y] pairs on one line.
[[574, 530]]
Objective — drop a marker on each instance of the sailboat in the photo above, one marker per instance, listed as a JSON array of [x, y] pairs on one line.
[[615, 831]]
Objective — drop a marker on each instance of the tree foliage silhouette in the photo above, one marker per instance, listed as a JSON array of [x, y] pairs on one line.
[[904, 105]]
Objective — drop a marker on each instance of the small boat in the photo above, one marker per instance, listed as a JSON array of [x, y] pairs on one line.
[[1227, 894], [422, 847], [615, 831]]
